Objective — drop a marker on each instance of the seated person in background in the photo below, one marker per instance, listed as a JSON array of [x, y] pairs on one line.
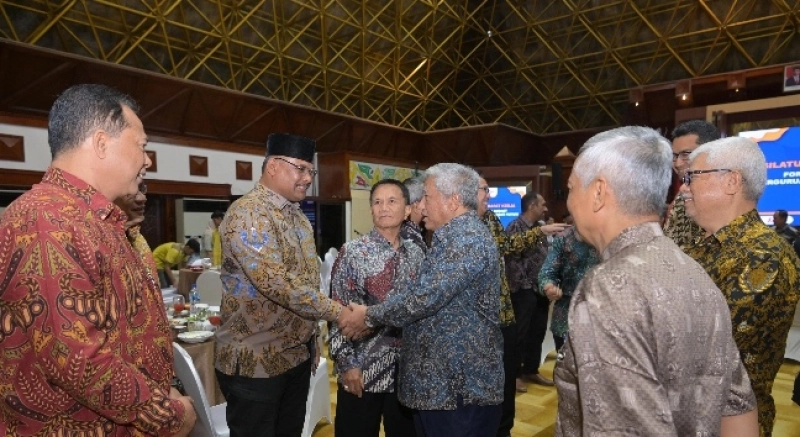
[[650, 350], [784, 230], [169, 256], [367, 271]]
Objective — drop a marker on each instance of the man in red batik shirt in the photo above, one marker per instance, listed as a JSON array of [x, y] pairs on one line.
[[84, 345]]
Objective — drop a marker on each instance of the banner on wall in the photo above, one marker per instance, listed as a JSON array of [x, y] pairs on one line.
[[364, 174]]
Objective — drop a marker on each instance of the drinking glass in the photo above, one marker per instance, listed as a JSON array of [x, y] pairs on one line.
[[178, 304]]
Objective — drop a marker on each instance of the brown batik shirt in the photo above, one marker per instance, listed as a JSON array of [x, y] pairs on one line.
[[271, 300], [649, 350]]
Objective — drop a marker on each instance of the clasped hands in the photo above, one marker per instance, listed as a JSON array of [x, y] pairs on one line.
[[352, 321], [552, 291]]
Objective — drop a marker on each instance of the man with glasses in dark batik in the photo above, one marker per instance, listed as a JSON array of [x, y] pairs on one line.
[[755, 270]]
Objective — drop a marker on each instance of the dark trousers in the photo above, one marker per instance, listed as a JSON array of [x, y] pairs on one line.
[[510, 364], [267, 407], [559, 341], [796, 394], [163, 279], [530, 311], [464, 421], [361, 417]]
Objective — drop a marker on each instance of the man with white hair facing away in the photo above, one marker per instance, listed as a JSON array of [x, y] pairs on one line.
[[752, 265], [649, 350]]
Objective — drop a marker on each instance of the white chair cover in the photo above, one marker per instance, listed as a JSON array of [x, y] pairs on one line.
[[318, 404], [211, 421], [209, 286]]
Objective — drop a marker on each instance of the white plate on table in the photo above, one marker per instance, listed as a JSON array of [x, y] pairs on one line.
[[195, 336]]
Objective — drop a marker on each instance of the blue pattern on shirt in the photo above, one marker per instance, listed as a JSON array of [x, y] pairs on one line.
[[567, 261], [452, 344]]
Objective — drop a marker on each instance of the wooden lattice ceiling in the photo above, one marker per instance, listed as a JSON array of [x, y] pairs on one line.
[[545, 66]]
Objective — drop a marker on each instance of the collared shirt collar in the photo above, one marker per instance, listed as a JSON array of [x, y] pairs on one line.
[[273, 197], [377, 237], [529, 223], [453, 225], [636, 234], [735, 230], [98, 203]]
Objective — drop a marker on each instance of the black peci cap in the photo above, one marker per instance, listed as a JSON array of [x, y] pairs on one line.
[[293, 146]]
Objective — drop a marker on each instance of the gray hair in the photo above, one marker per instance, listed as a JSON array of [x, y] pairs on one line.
[[456, 179], [636, 162], [416, 188], [741, 154]]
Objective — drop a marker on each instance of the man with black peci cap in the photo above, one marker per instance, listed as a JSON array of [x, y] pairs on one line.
[[266, 345]]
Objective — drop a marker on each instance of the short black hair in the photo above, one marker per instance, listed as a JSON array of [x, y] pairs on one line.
[[194, 245], [529, 199], [704, 130], [782, 213], [394, 182], [218, 214], [81, 110]]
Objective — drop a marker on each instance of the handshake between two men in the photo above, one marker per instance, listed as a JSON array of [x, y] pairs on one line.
[[352, 321]]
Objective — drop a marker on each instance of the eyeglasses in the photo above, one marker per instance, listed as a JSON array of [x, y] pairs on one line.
[[485, 189], [143, 188], [687, 176], [682, 155], [300, 168]]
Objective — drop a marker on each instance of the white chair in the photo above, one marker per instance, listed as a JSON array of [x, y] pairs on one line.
[[318, 404], [331, 255], [211, 421], [325, 278], [209, 286]]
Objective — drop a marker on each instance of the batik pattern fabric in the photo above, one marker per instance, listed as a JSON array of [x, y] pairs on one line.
[[567, 262], [758, 275], [271, 300], [649, 350], [452, 344], [523, 265], [367, 271], [411, 231], [84, 345], [141, 247], [509, 244], [681, 228]]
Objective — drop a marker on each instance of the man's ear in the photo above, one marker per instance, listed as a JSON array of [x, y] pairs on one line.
[[99, 143], [734, 183], [599, 192], [270, 167]]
